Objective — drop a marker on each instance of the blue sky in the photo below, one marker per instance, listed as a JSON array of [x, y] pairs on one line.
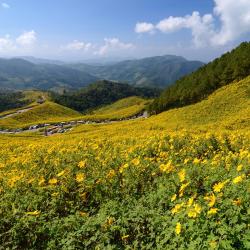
[[84, 29]]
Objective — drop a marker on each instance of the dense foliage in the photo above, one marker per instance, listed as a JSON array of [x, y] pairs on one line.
[[232, 66], [11, 100], [170, 191], [101, 93], [159, 71]]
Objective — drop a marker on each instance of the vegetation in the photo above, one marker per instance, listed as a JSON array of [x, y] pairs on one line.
[[159, 71], [99, 94], [232, 66], [124, 108], [11, 100], [45, 113], [53, 113], [178, 180]]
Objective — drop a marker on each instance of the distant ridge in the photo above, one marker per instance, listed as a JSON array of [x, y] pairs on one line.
[[36, 60], [158, 71], [20, 74]]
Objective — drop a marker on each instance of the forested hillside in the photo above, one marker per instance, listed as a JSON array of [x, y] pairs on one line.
[[101, 93], [11, 100], [232, 66]]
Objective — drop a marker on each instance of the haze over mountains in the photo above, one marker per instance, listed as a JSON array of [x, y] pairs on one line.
[[19, 74], [158, 71], [42, 74]]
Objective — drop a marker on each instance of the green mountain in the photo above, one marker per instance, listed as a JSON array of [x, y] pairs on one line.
[[101, 93], [232, 66], [159, 71], [19, 74]]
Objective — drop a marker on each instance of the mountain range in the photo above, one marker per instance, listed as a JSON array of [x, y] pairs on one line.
[[158, 71], [19, 74], [33, 73]]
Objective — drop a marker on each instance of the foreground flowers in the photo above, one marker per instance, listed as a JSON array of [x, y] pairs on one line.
[[165, 191]]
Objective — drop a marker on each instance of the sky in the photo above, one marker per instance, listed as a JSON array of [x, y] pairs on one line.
[[73, 30]]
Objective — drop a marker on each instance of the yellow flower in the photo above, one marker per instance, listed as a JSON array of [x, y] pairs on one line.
[[167, 167], [182, 188], [193, 212], [239, 168], [177, 208], [135, 161], [95, 147], [35, 213], [122, 168], [178, 228], [213, 244], [81, 164], [173, 198], [80, 177], [125, 237], [196, 161], [211, 199], [197, 208], [53, 181], [212, 211], [182, 175], [190, 201], [41, 181], [61, 173], [186, 161], [238, 179], [219, 186]]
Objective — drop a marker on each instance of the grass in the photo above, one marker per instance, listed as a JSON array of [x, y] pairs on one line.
[[45, 113], [50, 112]]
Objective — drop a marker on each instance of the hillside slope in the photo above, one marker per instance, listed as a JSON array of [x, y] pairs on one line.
[[228, 108], [159, 71], [53, 113], [44, 113], [19, 74], [232, 66], [101, 93]]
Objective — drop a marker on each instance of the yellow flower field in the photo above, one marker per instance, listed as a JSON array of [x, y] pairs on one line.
[[166, 182], [159, 189]]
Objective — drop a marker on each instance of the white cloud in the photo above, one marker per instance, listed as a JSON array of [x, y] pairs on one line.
[[22, 44], [77, 45], [113, 45], [6, 44], [27, 38], [235, 19], [233, 16], [144, 27], [5, 5]]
